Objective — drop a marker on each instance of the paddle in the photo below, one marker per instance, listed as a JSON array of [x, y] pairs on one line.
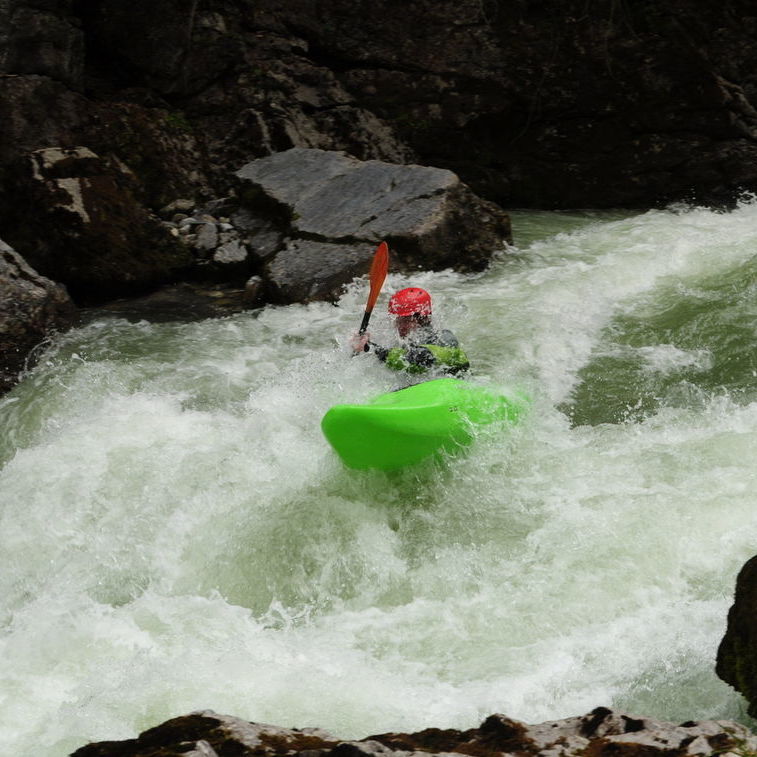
[[379, 269]]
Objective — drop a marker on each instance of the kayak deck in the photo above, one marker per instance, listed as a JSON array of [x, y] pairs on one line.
[[401, 428]]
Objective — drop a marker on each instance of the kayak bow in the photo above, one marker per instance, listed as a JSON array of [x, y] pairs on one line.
[[401, 428]]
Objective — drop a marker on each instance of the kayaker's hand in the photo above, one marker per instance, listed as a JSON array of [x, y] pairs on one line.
[[359, 342]]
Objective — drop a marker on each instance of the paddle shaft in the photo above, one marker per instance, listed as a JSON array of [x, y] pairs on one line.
[[364, 325]]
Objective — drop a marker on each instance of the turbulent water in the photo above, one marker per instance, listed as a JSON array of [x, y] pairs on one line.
[[176, 534]]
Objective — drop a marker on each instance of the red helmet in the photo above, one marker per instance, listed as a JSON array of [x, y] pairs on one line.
[[410, 301]]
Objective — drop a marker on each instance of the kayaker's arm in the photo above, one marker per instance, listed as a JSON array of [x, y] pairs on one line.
[[381, 352], [418, 358]]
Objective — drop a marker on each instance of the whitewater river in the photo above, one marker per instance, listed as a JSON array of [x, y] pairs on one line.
[[177, 535]]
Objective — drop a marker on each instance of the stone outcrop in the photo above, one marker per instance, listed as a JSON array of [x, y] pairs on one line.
[[737, 653], [601, 733], [304, 222], [555, 104], [86, 230], [334, 209], [31, 307]]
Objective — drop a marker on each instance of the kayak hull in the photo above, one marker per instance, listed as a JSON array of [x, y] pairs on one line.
[[402, 428]]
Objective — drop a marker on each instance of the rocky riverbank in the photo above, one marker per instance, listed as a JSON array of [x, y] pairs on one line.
[[600, 733], [297, 227], [110, 113]]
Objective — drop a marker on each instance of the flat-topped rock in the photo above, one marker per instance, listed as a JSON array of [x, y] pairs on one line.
[[429, 218]]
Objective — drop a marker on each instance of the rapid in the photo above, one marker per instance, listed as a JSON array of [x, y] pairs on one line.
[[176, 534]]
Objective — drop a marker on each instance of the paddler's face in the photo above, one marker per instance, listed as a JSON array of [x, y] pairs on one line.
[[405, 324]]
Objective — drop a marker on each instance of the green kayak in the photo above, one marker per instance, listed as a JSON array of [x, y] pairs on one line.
[[404, 427]]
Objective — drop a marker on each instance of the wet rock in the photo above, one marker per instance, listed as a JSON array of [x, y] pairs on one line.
[[221, 733], [207, 237], [330, 201], [601, 733], [264, 236], [180, 206], [737, 653], [90, 232], [31, 307], [254, 291], [188, 301], [305, 270]]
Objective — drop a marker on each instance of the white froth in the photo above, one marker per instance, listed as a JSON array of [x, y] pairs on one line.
[[178, 536]]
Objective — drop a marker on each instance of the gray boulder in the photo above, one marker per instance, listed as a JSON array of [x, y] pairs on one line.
[[31, 307], [307, 270], [334, 209]]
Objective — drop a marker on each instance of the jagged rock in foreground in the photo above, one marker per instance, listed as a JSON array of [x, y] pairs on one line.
[[737, 654], [601, 733], [335, 209], [31, 306]]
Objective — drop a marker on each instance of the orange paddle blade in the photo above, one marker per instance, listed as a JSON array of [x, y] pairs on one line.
[[379, 269]]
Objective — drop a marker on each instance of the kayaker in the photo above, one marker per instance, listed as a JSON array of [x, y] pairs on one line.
[[422, 349]]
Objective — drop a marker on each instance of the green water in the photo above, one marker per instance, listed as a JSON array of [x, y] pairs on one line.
[[177, 535]]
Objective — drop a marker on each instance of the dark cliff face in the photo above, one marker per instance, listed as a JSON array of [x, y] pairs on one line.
[[554, 104], [544, 104]]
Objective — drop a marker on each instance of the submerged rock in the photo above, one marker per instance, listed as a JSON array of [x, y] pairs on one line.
[[601, 733], [185, 302], [31, 307]]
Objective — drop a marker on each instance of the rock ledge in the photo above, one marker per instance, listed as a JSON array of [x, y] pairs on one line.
[[600, 733]]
